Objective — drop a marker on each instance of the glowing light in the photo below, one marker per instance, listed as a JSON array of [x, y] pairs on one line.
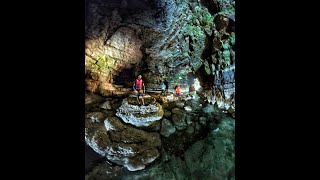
[[196, 84]]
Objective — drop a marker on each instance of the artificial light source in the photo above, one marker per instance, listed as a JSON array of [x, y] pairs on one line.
[[197, 84]]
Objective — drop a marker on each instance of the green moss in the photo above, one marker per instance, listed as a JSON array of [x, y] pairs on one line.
[[102, 61], [227, 7], [196, 64], [188, 30], [110, 61], [207, 68], [207, 19], [225, 45], [226, 54], [198, 32]]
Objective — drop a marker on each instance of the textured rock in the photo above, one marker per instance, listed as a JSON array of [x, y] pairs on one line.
[[189, 119], [190, 129], [120, 143], [167, 114], [188, 108], [214, 155], [106, 105], [174, 38], [203, 121], [178, 118], [167, 128], [208, 109], [212, 158], [179, 104], [91, 98], [140, 116], [162, 39]]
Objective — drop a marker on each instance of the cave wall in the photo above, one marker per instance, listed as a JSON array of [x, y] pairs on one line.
[[162, 39]]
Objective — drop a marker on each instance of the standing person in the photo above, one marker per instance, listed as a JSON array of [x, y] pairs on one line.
[[163, 88], [177, 91], [166, 83], [137, 85]]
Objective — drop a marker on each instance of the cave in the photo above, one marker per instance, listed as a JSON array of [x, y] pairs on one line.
[[150, 132]]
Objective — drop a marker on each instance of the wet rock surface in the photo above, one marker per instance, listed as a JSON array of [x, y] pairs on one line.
[[167, 128], [170, 39], [120, 143], [190, 43], [211, 157]]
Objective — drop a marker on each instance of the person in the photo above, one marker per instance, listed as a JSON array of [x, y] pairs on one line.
[[137, 86], [166, 83], [163, 88], [177, 91]]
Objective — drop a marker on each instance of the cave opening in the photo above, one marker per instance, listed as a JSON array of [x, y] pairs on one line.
[[125, 77]]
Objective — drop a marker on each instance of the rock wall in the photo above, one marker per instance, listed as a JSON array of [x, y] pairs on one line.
[[162, 39]]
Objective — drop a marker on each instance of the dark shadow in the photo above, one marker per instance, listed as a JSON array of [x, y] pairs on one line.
[[91, 159], [125, 78]]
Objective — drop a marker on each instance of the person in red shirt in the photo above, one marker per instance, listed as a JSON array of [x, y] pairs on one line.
[[177, 91], [137, 86]]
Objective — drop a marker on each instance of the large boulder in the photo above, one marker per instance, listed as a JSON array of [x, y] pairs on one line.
[[140, 116], [167, 128], [178, 118], [120, 143]]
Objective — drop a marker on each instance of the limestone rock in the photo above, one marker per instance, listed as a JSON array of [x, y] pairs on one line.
[[167, 128], [120, 143], [178, 118], [140, 116]]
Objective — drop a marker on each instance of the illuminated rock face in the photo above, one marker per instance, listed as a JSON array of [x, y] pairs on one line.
[[161, 39], [191, 43], [120, 143]]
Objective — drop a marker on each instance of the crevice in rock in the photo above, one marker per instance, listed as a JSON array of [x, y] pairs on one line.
[[207, 52]]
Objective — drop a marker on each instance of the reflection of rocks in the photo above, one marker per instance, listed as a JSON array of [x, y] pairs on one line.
[[178, 118], [179, 104], [203, 120], [190, 129], [208, 109], [215, 153], [140, 116], [167, 128], [167, 114], [212, 158], [120, 143]]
